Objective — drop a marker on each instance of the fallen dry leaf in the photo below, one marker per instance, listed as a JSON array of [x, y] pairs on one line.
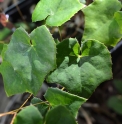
[[5, 22]]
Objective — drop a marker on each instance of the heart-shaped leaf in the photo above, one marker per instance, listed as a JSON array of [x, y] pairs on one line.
[[56, 12], [27, 60], [102, 21], [56, 97], [82, 74]]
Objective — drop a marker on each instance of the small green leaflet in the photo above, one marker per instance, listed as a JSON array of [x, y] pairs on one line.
[[29, 115]]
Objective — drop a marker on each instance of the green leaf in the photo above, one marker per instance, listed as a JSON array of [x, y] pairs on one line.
[[115, 103], [81, 75], [118, 85], [29, 115], [56, 12], [27, 60], [57, 41], [58, 97], [67, 47], [42, 107], [103, 22], [118, 20], [5, 32], [59, 115]]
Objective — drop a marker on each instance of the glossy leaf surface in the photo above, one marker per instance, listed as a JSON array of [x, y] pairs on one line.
[[56, 97], [103, 22], [59, 115], [29, 115], [56, 12], [27, 60], [82, 74]]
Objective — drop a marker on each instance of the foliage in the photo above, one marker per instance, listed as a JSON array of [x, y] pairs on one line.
[[30, 114], [3, 33], [25, 58], [57, 12], [96, 27], [80, 69], [29, 59], [115, 102]]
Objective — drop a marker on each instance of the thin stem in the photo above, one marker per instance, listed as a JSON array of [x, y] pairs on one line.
[[63, 88], [16, 110], [12, 121], [26, 101]]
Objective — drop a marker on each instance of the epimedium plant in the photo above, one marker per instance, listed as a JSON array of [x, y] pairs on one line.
[[29, 59]]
